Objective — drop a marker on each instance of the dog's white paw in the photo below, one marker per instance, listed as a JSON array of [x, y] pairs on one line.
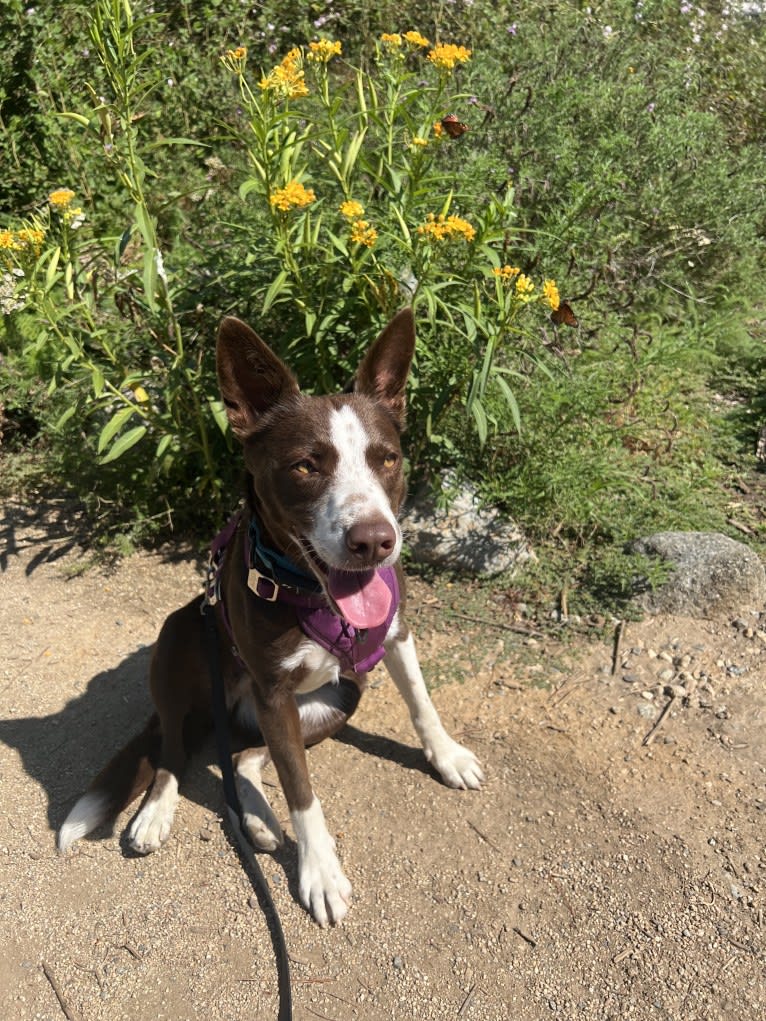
[[324, 890], [457, 765], [262, 826], [151, 827]]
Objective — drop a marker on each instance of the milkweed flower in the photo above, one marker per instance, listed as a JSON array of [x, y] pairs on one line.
[[363, 234], [444, 56], [60, 198], [444, 228], [324, 50], [292, 196], [351, 209], [418, 141], [524, 287], [551, 294], [506, 273], [286, 80], [391, 39], [31, 239], [416, 39], [438, 129]]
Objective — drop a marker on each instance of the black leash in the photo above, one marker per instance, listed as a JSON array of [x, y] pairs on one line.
[[234, 807]]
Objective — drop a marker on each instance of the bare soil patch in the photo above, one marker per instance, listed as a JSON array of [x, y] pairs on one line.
[[594, 876]]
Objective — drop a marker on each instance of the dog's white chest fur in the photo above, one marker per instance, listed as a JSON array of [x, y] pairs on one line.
[[320, 665]]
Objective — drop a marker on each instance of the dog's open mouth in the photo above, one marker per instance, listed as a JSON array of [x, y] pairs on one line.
[[360, 597]]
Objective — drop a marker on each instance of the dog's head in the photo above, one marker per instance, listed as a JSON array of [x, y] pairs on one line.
[[326, 471]]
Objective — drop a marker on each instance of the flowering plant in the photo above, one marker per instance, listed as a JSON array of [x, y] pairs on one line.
[[354, 171]]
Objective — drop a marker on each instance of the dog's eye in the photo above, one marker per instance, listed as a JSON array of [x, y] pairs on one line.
[[390, 460], [304, 468]]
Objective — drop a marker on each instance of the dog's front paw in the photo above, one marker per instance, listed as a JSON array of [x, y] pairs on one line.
[[323, 888], [457, 766]]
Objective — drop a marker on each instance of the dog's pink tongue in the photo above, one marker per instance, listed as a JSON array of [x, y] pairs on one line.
[[362, 597]]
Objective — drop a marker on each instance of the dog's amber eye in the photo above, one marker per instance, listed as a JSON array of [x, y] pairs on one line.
[[304, 467], [389, 460]]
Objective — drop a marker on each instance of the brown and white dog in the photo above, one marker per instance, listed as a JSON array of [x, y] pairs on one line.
[[324, 485]]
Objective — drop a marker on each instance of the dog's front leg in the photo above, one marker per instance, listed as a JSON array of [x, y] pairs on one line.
[[324, 889], [456, 765]]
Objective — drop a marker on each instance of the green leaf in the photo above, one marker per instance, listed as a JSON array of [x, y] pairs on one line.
[[124, 442], [275, 289], [218, 411], [480, 418], [113, 426], [511, 400], [50, 272], [63, 419], [69, 115]]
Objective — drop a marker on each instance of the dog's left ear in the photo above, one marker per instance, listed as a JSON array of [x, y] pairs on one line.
[[384, 369]]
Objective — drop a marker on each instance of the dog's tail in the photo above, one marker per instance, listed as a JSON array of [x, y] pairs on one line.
[[129, 774]]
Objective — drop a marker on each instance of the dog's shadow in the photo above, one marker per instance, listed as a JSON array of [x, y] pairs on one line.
[[64, 751]]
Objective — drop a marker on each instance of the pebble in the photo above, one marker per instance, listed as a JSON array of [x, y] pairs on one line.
[[666, 675]]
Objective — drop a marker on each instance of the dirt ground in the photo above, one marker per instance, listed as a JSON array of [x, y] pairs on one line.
[[613, 866]]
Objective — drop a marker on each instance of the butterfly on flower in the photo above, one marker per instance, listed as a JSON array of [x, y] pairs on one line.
[[454, 127], [564, 316]]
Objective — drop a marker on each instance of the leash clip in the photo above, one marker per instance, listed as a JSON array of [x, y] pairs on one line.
[[254, 579]]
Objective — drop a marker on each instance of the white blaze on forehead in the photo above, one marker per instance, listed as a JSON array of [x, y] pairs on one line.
[[355, 493]]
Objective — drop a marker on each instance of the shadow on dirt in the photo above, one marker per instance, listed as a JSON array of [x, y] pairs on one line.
[[64, 751]]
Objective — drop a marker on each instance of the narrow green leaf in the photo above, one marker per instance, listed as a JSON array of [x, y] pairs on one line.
[[218, 411], [275, 289], [113, 426], [512, 403], [480, 418], [124, 442]]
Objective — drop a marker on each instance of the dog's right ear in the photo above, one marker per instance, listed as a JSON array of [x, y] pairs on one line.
[[251, 377]]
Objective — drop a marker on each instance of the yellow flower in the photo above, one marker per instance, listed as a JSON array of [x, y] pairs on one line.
[[292, 196], [444, 56], [438, 129], [286, 80], [506, 273], [363, 234], [391, 39], [442, 228], [524, 287], [60, 198], [551, 294], [418, 141], [324, 50], [234, 60], [8, 240], [416, 39], [351, 209], [31, 237]]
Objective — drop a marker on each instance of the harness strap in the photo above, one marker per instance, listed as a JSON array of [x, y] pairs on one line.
[[234, 807]]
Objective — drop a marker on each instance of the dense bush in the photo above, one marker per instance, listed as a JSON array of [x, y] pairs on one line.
[[615, 148]]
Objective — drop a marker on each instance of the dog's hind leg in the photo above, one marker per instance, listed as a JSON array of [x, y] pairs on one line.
[[179, 684], [126, 776]]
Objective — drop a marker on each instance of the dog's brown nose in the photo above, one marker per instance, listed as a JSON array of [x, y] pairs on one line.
[[371, 541]]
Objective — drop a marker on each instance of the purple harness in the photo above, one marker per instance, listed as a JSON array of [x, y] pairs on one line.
[[357, 649]]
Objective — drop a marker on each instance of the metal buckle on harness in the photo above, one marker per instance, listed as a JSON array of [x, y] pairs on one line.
[[254, 579]]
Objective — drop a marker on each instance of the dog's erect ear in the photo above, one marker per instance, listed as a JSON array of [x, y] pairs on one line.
[[384, 369], [251, 377]]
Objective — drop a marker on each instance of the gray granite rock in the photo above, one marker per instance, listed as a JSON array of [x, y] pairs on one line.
[[712, 575], [463, 537]]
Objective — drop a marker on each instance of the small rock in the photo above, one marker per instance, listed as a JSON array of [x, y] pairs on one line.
[[666, 675], [398, 964]]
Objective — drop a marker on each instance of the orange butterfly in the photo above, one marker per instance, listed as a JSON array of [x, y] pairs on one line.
[[564, 315], [454, 127]]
